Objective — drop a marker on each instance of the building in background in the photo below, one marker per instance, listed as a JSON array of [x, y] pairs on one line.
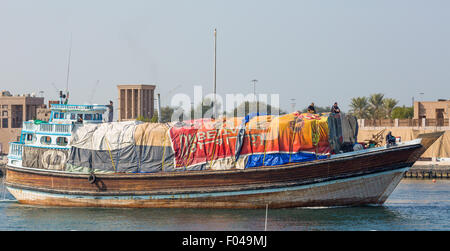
[[136, 101], [44, 112], [14, 110], [435, 110]]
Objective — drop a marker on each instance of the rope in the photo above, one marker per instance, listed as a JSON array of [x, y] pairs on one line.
[[315, 135], [264, 157], [291, 145], [214, 148], [110, 155], [189, 149]]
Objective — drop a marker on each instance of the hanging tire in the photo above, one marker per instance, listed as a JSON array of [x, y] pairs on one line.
[[92, 178]]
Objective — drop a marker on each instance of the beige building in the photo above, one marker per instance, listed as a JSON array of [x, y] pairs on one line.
[[438, 110], [135, 101], [14, 110]]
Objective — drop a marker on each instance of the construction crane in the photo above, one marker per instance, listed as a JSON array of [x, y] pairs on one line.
[[91, 97]]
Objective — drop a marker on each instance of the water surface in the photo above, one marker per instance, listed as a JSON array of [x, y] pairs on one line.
[[414, 205]]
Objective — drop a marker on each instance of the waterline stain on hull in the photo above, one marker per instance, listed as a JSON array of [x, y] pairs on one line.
[[362, 190]]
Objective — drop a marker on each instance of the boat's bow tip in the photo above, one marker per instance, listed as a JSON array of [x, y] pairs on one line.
[[427, 139]]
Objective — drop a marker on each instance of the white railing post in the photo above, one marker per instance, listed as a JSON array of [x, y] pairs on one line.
[[15, 149]]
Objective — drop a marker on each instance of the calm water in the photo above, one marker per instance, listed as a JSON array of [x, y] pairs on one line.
[[414, 205]]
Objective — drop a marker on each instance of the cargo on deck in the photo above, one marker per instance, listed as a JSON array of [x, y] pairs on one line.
[[203, 144]]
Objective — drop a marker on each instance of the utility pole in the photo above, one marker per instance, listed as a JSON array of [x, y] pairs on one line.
[[293, 104], [159, 107], [68, 67], [215, 73]]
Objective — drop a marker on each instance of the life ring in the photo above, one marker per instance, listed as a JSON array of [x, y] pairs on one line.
[[92, 178]]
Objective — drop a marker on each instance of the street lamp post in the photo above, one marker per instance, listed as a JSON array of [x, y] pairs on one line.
[[254, 89], [293, 104], [421, 96], [215, 72]]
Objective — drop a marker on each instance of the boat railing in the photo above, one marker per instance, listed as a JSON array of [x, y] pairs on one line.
[[47, 127], [78, 107], [29, 126], [15, 150]]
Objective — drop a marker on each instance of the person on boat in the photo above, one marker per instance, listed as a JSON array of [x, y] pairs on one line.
[[311, 108], [110, 111], [335, 108], [390, 139]]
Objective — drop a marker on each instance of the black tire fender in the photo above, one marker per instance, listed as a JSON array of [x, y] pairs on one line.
[[92, 178]]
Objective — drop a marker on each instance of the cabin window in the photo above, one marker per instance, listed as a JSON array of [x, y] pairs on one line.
[[62, 141], [80, 118], [88, 116], [46, 140], [61, 115], [100, 117], [56, 115], [30, 138], [73, 116]]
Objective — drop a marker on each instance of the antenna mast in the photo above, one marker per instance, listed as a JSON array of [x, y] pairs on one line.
[[215, 69], [68, 67]]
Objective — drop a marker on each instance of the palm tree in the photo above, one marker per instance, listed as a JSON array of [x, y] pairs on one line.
[[389, 104], [359, 107], [376, 105]]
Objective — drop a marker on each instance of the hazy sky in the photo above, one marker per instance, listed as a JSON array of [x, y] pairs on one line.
[[320, 51]]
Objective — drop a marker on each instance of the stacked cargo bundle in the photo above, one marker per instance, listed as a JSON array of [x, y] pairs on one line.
[[203, 144], [106, 147]]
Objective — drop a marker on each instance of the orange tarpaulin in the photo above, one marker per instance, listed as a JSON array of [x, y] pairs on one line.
[[245, 142]]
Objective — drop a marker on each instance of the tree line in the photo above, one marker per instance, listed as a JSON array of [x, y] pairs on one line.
[[377, 106]]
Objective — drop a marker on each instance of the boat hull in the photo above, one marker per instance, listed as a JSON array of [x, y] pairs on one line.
[[355, 179], [361, 190]]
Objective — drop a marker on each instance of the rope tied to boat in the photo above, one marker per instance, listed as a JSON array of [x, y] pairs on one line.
[[315, 135], [214, 147], [164, 150], [110, 155]]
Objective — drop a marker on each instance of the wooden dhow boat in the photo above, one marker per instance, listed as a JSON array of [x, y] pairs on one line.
[[361, 177]]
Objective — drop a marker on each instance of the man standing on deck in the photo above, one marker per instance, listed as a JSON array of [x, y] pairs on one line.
[[335, 108], [110, 111], [311, 108]]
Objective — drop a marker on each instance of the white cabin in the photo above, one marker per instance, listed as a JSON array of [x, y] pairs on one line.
[[56, 133]]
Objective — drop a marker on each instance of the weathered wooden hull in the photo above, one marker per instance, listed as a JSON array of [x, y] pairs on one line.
[[358, 179], [363, 190]]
